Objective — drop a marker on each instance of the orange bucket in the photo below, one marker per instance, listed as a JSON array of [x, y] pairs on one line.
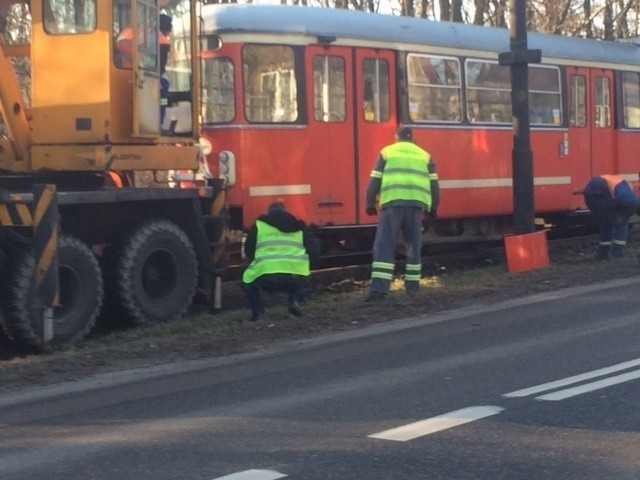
[[527, 252]]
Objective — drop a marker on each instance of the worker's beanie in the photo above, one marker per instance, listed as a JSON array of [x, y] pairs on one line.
[[277, 206], [404, 133], [165, 23]]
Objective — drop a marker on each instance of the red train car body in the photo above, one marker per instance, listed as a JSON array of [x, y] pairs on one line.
[[298, 101]]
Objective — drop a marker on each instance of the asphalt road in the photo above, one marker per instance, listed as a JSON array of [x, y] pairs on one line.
[[542, 388]]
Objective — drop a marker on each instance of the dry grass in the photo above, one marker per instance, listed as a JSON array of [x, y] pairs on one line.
[[337, 308]]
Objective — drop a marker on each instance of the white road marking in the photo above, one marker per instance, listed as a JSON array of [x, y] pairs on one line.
[[590, 387], [575, 379], [436, 424], [253, 475]]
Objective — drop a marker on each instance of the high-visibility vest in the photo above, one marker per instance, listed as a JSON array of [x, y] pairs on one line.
[[277, 252], [163, 39], [124, 43], [406, 174]]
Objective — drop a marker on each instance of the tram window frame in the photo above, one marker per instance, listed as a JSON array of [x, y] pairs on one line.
[[432, 98], [630, 88], [488, 92], [63, 19], [578, 101], [226, 93], [376, 90], [602, 102], [545, 96], [329, 89], [264, 75]]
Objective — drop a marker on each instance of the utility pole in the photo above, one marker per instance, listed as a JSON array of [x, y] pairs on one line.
[[518, 59]]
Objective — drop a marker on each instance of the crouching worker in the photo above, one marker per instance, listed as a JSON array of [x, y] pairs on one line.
[[612, 202], [280, 248]]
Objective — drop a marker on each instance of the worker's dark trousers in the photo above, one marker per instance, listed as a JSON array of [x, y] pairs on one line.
[[611, 214], [393, 220], [294, 285]]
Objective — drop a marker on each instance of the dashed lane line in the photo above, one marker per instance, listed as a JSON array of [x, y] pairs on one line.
[[574, 379], [590, 387], [253, 475], [437, 424]]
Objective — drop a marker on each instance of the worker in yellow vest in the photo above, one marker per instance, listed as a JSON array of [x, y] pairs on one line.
[[612, 202], [405, 184], [281, 248]]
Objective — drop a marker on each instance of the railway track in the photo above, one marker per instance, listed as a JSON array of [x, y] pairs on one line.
[[346, 271]]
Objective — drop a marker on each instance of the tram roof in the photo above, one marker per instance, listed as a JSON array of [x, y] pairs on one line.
[[397, 30]]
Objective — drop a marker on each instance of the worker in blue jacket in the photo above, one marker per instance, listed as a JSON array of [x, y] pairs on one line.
[[281, 249], [612, 202]]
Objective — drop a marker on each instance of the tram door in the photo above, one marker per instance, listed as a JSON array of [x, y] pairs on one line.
[[591, 146], [375, 115], [331, 131]]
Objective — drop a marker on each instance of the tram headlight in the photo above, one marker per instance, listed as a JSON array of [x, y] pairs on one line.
[[227, 167]]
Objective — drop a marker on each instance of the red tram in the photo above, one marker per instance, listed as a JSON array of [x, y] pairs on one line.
[[298, 101]]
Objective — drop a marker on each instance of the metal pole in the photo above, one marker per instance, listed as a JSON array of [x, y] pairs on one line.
[[522, 157]]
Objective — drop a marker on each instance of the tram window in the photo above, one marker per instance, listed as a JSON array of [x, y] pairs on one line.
[[63, 17], [434, 88], [578, 101], [602, 103], [544, 95], [270, 88], [488, 92], [375, 101], [219, 90], [329, 91], [631, 99]]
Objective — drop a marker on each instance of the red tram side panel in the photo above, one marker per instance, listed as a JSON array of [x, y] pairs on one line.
[[377, 117], [305, 115]]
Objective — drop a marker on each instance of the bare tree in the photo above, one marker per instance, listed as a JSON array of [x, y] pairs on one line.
[[481, 7], [423, 8], [587, 14], [445, 9]]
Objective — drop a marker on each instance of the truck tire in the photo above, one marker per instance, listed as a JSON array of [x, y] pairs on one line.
[[81, 293], [156, 274]]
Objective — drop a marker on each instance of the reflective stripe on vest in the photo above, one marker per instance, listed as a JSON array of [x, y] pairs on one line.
[[277, 252], [406, 174]]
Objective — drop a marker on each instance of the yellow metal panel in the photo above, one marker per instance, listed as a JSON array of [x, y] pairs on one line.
[[5, 218], [115, 157], [15, 214], [24, 214], [8, 157], [71, 86]]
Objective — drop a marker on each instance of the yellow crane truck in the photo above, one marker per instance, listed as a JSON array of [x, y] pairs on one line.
[[90, 220]]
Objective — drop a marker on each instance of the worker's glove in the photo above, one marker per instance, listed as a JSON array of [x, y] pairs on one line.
[[371, 211]]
